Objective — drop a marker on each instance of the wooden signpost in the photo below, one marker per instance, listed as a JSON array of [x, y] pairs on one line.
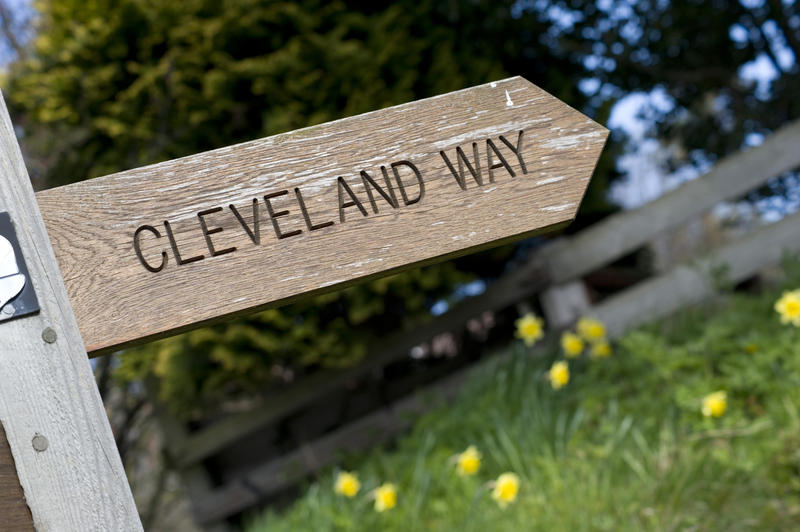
[[152, 251]]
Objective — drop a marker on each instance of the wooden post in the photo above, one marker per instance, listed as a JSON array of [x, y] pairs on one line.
[[54, 420]]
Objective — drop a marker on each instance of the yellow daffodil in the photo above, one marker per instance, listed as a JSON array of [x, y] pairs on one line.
[[558, 374], [591, 330], [530, 328], [505, 488], [469, 461], [385, 497], [347, 484], [601, 349], [788, 306], [714, 404], [571, 344]]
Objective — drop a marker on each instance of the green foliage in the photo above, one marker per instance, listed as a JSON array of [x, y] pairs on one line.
[[623, 446], [200, 370]]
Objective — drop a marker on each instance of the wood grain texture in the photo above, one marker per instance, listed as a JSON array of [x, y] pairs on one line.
[[118, 301], [15, 516], [77, 482]]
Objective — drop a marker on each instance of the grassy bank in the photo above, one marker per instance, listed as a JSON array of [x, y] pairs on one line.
[[623, 446]]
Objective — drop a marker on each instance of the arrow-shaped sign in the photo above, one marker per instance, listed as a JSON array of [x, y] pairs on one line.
[[162, 248]]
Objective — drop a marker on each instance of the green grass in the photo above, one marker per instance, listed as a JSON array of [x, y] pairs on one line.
[[622, 447]]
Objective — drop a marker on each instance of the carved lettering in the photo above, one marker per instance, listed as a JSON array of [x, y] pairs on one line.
[[208, 232], [491, 148], [462, 160], [370, 184], [343, 187], [138, 249], [517, 151], [396, 177], [253, 233], [181, 261], [306, 217], [273, 216], [402, 186]]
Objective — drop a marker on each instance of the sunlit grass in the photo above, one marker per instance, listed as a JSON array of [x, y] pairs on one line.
[[623, 446]]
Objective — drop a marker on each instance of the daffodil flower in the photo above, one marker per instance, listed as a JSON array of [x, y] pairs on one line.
[[468, 462], [715, 404], [788, 306], [571, 344], [505, 489], [530, 328], [591, 330], [385, 497], [601, 349], [558, 374], [347, 484]]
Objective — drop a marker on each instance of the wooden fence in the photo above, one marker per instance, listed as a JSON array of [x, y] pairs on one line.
[[553, 274]]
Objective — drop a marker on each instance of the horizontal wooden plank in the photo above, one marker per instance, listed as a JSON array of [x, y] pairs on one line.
[[378, 427], [626, 231], [209, 440], [155, 250], [688, 284]]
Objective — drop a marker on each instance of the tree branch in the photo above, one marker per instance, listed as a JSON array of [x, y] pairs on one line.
[[7, 24], [792, 39]]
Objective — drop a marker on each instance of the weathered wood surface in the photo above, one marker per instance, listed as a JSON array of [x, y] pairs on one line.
[[692, 283], [48, 397], [15, 516], [302, 215]]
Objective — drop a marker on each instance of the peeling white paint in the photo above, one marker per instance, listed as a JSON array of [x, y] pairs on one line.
[[550, 180], [570, 141], [499, 129], [557, 208]]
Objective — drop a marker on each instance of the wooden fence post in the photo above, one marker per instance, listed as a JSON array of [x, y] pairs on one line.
[[50, 408]]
